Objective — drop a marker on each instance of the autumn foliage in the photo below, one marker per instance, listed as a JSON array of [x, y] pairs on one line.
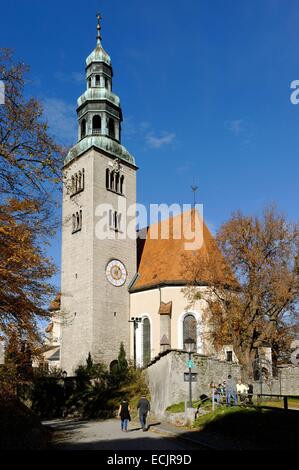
[[259, 305], [30, 163]]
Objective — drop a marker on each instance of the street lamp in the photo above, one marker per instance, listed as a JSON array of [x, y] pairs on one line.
[[135, 321], [189, 345]]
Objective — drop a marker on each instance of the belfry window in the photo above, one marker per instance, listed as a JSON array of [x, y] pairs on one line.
[[77, 222], [83, 128], [98, 80], [111, 128], [78, 181], [89, 82], [121, 188], [115, 181], [146, 341], [189, 328], [112, 180], [96, 125]]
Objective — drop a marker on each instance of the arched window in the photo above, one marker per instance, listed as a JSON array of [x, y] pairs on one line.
[[89, 82], [111, 128], [189, 329], [121, 189], [117, 182], [83, 128], [97, 80], [107, 179], [80, 181], [146, 341], [76, 182], [112, 180], [96, 124]]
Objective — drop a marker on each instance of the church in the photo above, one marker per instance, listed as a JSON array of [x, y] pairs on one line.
[[115, 287]]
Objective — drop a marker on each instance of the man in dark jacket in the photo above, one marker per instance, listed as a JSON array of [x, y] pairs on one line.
[[143, 406], [231, 391]]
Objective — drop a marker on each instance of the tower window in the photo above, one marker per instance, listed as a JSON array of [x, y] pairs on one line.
[[78, 181], [121, 189], [97, 80], [111, 128], [77, 222], [115, 181], [115, 221], [96, 125], [89, 82], [107, 179], [112, 180], [83, 128]]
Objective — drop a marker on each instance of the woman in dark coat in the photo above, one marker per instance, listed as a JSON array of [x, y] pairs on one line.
[[124, 414]]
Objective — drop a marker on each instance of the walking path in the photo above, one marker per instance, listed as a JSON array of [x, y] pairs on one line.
[[107, 435]]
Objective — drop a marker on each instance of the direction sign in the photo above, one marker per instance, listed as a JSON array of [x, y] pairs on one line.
[[190, 364]]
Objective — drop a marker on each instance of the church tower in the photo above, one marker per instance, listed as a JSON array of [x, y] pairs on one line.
[[98, 256]]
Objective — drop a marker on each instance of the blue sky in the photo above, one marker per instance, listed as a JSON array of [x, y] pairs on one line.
[[204, 87]]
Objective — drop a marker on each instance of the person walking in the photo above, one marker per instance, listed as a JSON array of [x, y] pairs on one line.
[[231, 391], [124, 414], [143, 406], [250, 393]]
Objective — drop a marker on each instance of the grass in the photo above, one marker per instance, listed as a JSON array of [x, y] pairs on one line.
[[180, 407], [292, 403]]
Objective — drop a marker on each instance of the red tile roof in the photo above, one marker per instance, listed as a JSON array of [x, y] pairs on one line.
[[166, 261]]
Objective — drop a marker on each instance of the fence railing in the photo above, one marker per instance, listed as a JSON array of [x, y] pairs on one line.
[[285, 400]]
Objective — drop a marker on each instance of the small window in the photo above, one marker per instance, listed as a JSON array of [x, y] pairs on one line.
[[117, 182], [229, 356], [77, 222], [96, 124], [121, 189], [89, 82], [112, 180], [107, 179], [98, 80], [83, 128], [111, 128]]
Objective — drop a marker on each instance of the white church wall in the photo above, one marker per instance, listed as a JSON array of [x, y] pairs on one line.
[[149, 301]]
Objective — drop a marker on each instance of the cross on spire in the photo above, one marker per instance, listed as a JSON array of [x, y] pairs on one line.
[[99, 37]]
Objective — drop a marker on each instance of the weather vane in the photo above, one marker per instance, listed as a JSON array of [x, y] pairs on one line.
[[99, 37]]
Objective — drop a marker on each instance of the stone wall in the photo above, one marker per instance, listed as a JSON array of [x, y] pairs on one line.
[[166, 379]]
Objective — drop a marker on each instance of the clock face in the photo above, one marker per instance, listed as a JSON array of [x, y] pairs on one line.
[[116, 273]]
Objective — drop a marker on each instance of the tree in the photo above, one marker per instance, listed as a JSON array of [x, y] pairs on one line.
[[122, 363], [259, 305], [24, 274], [30, 160], [30, 169]]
